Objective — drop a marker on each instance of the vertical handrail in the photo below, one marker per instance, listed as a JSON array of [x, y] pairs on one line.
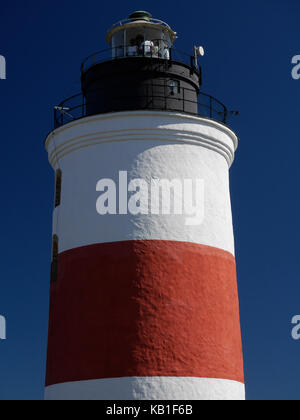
[[165, 93]]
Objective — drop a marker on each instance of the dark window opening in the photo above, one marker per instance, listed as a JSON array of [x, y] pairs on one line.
[[54, 262], [58, 180], [174, 86]]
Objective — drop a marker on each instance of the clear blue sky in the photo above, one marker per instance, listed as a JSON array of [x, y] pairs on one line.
[[249, 48]]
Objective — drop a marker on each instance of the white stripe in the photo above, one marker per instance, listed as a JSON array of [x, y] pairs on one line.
[[121, 125], [179, 147], [148, 388]]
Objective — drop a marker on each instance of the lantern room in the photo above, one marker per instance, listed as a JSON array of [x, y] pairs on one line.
[[141, 70], [141, 35]]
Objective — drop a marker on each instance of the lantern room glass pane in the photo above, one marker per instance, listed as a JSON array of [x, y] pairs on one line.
[[117, 44], [141, 41]]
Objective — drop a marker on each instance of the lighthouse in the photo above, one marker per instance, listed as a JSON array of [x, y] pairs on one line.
[[143, 288]]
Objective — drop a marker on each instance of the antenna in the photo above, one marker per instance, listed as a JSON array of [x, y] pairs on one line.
[[198, 52], [64, 110]]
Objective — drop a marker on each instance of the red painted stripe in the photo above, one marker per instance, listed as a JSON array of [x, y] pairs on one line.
[[144, 308]]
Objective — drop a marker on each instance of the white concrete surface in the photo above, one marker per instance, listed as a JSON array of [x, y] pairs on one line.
[[148, 388], [148, 145]]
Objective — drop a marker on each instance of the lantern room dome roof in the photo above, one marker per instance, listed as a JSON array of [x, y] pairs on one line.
[[140, 15], [141, 19]]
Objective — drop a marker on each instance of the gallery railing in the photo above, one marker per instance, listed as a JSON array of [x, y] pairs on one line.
[[168, 99], [159, 50]]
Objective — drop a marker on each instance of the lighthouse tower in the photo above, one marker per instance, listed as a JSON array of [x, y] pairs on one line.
[[144, 301]]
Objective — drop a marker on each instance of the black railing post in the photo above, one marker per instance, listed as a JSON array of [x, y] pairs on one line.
[[192, 64], [200, 76]]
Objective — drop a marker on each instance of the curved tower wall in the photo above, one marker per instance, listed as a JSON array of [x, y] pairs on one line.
[[140, 83], [144, 306]]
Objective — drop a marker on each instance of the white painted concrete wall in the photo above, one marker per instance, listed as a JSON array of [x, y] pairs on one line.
[[147, 145], [148, 388]]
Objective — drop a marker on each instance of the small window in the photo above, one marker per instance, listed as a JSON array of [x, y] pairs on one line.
[[58, 180], [54, 262], [174, 86]]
